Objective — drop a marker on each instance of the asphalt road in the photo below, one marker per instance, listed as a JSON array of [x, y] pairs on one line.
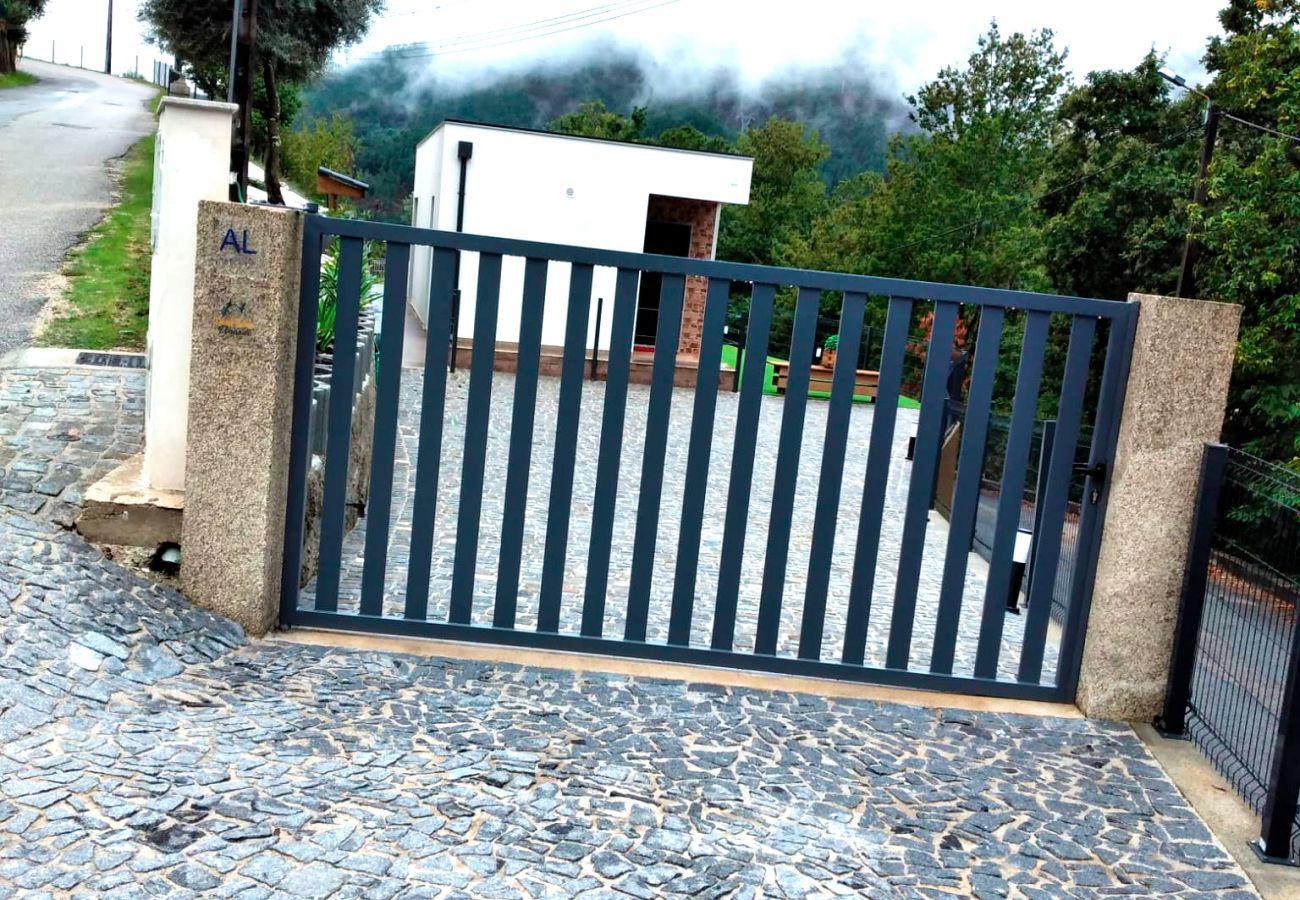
[[56, 138]]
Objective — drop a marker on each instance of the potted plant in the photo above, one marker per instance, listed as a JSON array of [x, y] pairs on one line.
[[828, 351]]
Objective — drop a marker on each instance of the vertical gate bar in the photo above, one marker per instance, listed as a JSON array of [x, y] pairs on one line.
[[880, 447], [1040, 485], [671, 301], [611, 450], [522, 416], [1047, 546], [697, 461], [752, 367], [300, 449], [966, 492], [478, 408], [1172, 722], [566, 448], [595, 341], [1284, 776], [389, 391], [334, 505], [433, 402], [807, 307], [929, 439], [831, 481], [1015, 464], [1105, 434]]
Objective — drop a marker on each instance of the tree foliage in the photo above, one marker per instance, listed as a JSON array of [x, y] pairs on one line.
[[294, 41], [1251, 223], [14, 16], [322, 142]]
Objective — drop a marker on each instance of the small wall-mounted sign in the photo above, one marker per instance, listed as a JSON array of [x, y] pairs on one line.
[[234, 318], [236, 242]]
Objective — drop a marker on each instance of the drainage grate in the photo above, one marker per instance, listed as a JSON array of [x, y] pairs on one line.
[[118, 360]]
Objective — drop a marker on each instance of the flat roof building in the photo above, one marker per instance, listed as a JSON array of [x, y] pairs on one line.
[[562, 189]]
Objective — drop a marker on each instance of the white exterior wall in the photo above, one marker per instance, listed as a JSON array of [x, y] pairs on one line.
[[191, 163], [556, 189]]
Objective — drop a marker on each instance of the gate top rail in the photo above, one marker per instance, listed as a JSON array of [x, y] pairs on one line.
[[745, 272]]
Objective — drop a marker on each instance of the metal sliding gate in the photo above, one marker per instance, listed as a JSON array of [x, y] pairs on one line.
[[746, 530]]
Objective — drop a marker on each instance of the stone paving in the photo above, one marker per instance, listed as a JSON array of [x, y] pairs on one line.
[[61, 430], [147, 750], [674, 471]]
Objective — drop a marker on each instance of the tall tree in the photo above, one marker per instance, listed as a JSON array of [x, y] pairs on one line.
[[1251, 224], [14, 16], [956, 200], [294, 41], [1118, 183], [786, 195]]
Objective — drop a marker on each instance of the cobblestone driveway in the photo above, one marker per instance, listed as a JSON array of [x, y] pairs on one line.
[[146, 749], [666, 547], [61, 430]]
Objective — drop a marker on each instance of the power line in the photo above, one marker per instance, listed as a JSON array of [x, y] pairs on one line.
[[563, 19], [1263, 128], [974, 223], [483, 43], [537, 24]]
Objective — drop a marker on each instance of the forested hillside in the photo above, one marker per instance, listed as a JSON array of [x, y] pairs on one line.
[[397, 98]]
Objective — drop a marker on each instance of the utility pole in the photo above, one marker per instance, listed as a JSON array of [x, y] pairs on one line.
[[243, 36], [108, 46], [1193, 248]]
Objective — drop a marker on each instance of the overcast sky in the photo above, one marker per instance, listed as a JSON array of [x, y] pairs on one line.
[[907, 41]]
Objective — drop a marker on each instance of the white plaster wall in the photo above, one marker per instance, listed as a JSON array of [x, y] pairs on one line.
[[192, 163], [556, 189]]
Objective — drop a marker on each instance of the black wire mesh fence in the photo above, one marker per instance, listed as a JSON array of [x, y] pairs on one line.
[[1244, 645]]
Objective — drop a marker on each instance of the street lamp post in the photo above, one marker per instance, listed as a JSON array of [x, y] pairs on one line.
[[108, 44], [1192, 247]]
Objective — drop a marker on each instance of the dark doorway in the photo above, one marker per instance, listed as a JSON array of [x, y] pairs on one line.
[[665, 239]]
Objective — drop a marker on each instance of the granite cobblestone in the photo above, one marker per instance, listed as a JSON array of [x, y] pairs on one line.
[[148, 750], [61, 430], [286, 770]]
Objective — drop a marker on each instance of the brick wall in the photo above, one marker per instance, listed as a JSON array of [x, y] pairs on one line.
[[701, 215]]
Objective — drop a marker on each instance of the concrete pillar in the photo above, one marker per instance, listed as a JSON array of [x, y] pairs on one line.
[[240, 407], [1177, 392], [191, 163]]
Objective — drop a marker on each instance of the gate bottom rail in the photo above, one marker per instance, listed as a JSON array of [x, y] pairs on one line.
[[677, 654]]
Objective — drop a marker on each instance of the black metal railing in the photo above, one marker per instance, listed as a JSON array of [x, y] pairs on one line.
[[1233, 674]]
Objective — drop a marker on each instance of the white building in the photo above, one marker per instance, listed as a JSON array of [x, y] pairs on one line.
[[539, 186]]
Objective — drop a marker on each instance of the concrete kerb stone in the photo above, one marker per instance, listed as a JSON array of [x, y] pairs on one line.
[[1175, 402], [241, 384]]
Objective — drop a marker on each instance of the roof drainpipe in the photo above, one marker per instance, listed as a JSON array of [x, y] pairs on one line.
[[464, 150]]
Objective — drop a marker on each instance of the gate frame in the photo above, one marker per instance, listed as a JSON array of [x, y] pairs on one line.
[[1123, 319]]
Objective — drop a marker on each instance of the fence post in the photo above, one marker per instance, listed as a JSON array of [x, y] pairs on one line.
[[1177, 388], [1280, 804], [241, 409], [1172, 721]]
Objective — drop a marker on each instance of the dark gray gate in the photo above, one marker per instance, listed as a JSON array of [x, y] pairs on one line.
[[899, 599]]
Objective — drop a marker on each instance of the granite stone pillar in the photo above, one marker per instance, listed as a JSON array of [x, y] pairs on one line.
[[1175, 401], [241, 386]]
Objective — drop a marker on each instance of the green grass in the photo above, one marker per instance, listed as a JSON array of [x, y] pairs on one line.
[[769, 381], [16, 79], [106, 304]]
